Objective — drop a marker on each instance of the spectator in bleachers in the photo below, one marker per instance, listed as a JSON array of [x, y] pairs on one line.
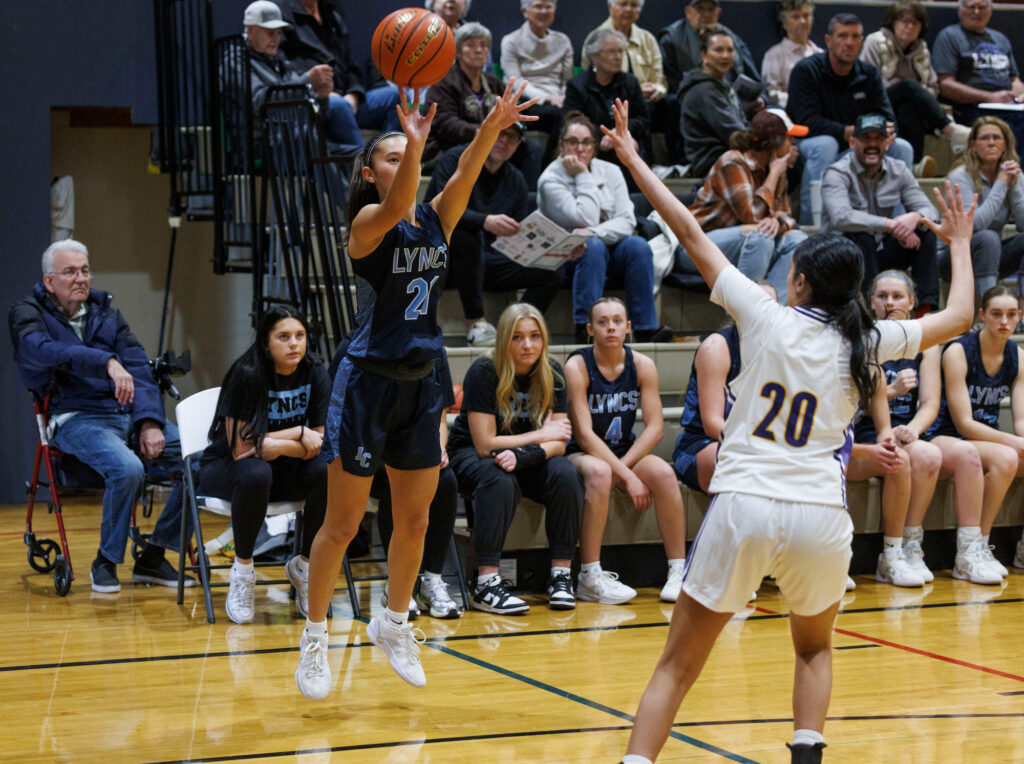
[[797, 19], [452, 11], [743, 205], [318, 35], [509, 442], [542, 56], [499, 202], [680, 45], [827, 92], [860, 194], [975, 64], [265, 446], [591, 91], [913, 390], [269, 67], [643, 56], [716, 363], [876, 453], [588, 196], [990, 168], [979, 369], [107, 410], [711, 111], [466, 95], [899, 52], [608, 384]]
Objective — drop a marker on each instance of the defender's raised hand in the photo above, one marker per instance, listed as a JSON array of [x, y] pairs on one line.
[[957, 223], [622, 140]]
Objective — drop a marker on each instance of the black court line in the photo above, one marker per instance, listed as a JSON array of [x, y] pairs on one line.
[[464, 637], [855, 647], [1015, 692], [862, 718]]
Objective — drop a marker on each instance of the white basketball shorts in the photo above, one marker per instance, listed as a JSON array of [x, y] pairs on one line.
[[805, 547]]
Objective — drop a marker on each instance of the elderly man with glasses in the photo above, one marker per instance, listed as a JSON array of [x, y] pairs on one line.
[[975, 65], [106, 398]]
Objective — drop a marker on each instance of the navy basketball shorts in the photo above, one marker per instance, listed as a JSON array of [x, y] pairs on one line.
[[373, 419], [685, 457]]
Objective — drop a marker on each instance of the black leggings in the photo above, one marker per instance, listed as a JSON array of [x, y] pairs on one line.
[[250, 484], [439, 525], [556, 484]]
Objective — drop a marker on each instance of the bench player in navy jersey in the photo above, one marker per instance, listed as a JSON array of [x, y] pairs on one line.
[[779, 484], [978, 371], [608, 383], [715, 365], [393, 385]]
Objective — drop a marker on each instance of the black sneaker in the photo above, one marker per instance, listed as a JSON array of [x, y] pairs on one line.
[[805, 754], [560, 594], [104, 576], [163, 574], [493, 596]]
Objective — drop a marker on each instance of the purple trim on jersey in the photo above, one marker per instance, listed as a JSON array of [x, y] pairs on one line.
[[693, 546], [842, 455], [815, 313]]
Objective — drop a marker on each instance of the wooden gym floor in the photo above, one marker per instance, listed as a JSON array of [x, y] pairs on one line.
[[920, 676]]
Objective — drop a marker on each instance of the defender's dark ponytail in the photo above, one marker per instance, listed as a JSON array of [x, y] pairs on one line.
[[834, 268]]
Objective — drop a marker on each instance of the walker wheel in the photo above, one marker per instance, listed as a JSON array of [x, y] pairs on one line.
[[62, 576], [43, 555]]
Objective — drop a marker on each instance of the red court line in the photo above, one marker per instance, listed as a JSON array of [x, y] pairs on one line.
[[914, 650]]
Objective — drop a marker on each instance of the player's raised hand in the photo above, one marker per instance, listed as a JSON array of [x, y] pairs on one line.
[[415, 125], [957, 222], [622, 140], [507, 110]]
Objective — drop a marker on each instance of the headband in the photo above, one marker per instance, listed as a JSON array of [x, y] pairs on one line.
[[368, 151]]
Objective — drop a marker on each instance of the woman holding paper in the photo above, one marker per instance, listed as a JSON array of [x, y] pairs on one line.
[[589, 196]]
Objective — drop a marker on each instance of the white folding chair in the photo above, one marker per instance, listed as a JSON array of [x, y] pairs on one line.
[[195, 415]]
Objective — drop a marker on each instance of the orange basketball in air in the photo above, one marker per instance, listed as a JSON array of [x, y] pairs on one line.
[[413, 48]]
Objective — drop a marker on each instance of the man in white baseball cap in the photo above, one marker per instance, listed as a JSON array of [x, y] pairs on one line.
[[265, 15]]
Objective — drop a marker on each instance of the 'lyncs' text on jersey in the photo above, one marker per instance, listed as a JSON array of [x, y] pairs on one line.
[[610, 403], [987, 395], [418, 259]]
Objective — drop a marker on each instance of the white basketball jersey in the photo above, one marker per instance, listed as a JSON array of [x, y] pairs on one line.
[[788, 433]]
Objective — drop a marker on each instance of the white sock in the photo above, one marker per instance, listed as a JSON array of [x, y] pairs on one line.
[[555, 571], [316, 629], [676, 561], [967, 535], [892, 546], [243, 567], [632, 758], [484, 578], [302, 566], [432, 577], [588, 568], [396, 619], [913, 533], [807, 737], [984, 539]]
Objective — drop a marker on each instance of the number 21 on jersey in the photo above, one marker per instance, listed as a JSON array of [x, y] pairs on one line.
[[798, 420], [420, 303]]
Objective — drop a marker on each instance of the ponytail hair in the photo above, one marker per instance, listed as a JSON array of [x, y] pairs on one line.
[[996, 291], [361, 191], [834, 269]]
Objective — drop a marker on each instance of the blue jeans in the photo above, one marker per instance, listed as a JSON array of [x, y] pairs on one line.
[[755, 255], [377, 112], [101, 441], [632, 260], [822, 150]]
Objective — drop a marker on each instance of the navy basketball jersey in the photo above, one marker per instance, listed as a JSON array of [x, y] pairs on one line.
[[690, 420], [985, 390], [902, 408], [613, 404], [398, 287]]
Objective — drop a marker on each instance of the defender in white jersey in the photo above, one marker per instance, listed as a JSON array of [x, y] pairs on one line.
[[779, 506]]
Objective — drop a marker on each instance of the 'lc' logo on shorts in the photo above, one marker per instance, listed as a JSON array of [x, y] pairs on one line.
[[363, 457]]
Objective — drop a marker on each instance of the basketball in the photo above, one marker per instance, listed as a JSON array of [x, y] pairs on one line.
[[413, 48]]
